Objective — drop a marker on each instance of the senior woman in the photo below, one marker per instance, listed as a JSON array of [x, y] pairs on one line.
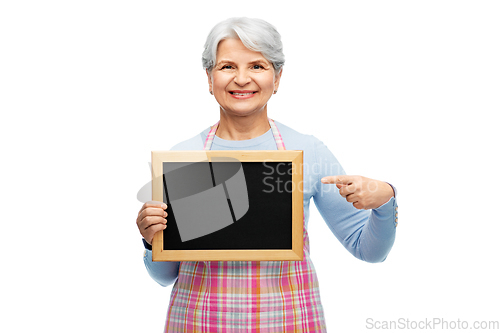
[[243, 60]]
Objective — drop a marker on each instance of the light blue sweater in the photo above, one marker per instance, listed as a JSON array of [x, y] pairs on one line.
[[367, 234]]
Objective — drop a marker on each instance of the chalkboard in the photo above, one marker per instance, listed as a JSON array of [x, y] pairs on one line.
[[229, 205]]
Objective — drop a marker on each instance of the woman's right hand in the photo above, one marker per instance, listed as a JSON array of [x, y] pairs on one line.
[[152, 218]]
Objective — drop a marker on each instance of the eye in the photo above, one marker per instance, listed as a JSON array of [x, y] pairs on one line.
[[226, 67], [257, 67]]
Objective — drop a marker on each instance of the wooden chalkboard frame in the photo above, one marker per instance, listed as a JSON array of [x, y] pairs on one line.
[[293, 156]]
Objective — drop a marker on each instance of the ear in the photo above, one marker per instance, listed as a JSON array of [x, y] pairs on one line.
[[277, 79], [209, 80]]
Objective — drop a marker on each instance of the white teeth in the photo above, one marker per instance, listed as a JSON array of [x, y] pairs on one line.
[[242, 94]]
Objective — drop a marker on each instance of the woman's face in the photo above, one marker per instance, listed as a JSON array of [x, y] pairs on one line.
[[242, 80]]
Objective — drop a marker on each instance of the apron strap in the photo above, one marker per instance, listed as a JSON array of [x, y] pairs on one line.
[[276, 133]]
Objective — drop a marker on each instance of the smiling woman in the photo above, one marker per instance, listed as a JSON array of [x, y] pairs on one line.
[[243, 59], [242, 82]]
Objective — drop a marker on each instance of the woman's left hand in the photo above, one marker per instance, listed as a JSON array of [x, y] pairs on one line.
[[362, 192]]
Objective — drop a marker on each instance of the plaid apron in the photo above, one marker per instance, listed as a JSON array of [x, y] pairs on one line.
[[246, 296]]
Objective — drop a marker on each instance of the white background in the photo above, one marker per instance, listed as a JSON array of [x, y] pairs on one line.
[[402, 91]]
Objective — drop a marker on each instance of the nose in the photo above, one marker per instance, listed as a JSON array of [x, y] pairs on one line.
[[241, 78]]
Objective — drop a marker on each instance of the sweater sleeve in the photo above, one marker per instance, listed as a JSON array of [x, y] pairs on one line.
[[366, 234], [163, 272]]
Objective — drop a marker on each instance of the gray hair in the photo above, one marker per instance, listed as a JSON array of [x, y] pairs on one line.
[[256, 34]]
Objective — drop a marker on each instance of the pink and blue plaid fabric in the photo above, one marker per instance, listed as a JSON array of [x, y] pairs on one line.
[[246, 296]]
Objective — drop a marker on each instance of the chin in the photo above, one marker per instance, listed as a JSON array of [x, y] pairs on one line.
[[243, 113]]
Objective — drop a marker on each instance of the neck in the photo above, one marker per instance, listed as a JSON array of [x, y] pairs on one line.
[[242, 127]]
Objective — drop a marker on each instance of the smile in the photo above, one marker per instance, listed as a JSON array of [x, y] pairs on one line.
[[242, 94]]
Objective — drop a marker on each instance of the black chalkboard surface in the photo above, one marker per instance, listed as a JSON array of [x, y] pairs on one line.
[[229, 205]]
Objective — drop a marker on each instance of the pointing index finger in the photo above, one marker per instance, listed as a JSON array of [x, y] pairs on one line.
[[343, 180]]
